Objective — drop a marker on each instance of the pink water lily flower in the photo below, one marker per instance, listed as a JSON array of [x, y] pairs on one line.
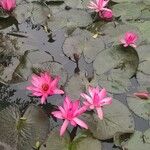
[[97, 99], [143, 95], [99, 6], [70, 113], [8, 5], [44, 85], [129, 39]]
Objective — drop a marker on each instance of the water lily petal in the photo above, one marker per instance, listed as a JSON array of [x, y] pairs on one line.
[[57, 114], [80, 123], [64, 127], [85, 96], [100, 112]]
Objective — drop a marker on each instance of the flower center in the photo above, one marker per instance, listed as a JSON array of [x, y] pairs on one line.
[[45, 87], [130, 39], [96, 100], [70, 114]]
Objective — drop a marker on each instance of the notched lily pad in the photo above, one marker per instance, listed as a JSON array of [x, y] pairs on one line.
[[82, 41], [117, 118]]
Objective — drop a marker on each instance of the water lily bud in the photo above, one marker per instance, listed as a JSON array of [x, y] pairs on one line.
[[106, 15], [142, 95]]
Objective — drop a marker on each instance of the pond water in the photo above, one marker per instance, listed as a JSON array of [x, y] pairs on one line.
[[66, 39]]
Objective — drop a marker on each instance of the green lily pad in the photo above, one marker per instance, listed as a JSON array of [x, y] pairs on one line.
[[139, 107], [40, 13], [82, 4], [23, 132], [144, 29], [82, 41], [117, 58], [117, 118], [74, 4], [143, 52], [120, 138], [136, 142], [127, 11], [145, 14], [144, 67], [76, 85], [143, 78], [114, 82], [11, 51], [115, 31], [56, 142], [74, 44], [147, 136], [37, 11], [70, 18], [85, 142]]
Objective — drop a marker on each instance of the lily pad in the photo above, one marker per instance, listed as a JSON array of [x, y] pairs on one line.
[[11, 51], [147, 136], [40, 13], [114, 82], [143, 52], [82, 4], [120, 138], [74, 44], [74, 4], [139, 107], [136, 142], [37, 11], [117, 118], [82, 41], [144, 67], [56, 142], [85, 142], [117, 58], [70, 18], [144, 29], [143, 78], [127, 11], [76, 85], [23, 132]]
